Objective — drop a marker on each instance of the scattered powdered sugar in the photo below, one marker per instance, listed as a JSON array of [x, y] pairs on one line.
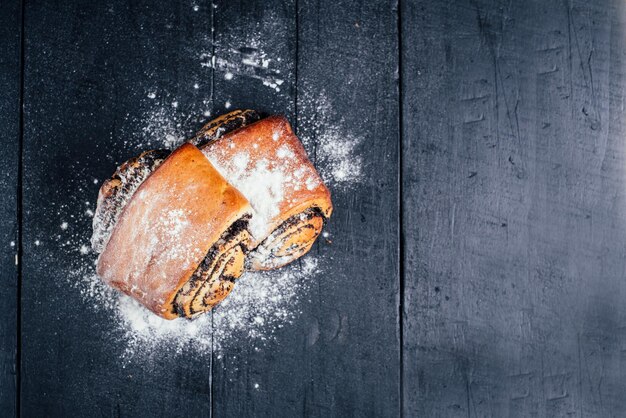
[[336, 153], [337, 159], [161, 127], [284, 152], [174, 222], [255, 306], [249, 59], [260, 304]]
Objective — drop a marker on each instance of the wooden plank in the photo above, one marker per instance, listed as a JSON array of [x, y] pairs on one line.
[[514, 202], [10, 52], [340, 356], [347, 64], [97, 74], [255, 45]]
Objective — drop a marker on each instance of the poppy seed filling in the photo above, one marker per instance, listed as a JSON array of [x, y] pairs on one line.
[[214, 278]]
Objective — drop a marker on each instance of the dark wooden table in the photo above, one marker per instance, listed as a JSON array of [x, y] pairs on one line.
[[478, 270]]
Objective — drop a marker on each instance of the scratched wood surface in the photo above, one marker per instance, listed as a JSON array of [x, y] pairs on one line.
[[514, 187], [88, 70], [477, 270]]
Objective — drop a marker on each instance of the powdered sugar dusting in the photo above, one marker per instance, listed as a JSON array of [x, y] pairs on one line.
[[336, 149], [337, 159], [161, 127], [253, 311], [262, 186], [261, 302], [284, 152]]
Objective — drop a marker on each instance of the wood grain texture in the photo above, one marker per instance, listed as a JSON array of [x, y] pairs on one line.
[[348, 58], [251, 378], [341, 356], [89, 70], [10, 52], [514, 203]]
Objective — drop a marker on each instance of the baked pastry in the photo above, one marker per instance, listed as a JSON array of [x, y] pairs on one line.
[[268, 164], [224, 124], [173, 231], [116, 191], [179, 238]]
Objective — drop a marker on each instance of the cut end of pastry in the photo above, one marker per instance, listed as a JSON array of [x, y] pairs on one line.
[[215, 278], [268, 163], [290, 241]]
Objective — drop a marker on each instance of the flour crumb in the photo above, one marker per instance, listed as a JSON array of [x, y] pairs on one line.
[[151, 95], [228, 76]]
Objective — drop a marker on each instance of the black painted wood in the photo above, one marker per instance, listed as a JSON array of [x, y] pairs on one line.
[[320, 366], [348, 53], [514, 201], [10, 41], [252, 378], [89, 69]]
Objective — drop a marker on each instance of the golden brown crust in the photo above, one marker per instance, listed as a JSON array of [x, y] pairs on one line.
[[163, 234], [117, 191], [271, 142]]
